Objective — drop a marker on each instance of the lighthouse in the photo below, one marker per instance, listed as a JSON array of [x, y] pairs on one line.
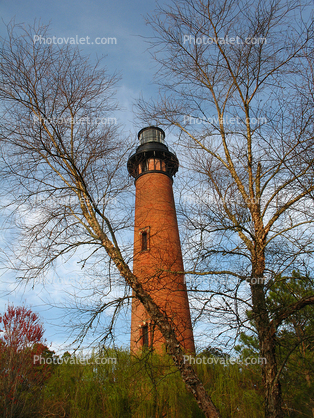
[[157, 258]]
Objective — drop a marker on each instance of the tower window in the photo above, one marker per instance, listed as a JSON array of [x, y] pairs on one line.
[[145, 335], [144, 240], [157, 164], [151, 164]]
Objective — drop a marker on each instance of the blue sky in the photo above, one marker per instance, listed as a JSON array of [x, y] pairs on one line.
[[121, 20], [129, 57]]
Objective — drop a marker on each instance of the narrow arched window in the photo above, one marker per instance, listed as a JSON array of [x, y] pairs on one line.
[[144, 240], [145, 335]]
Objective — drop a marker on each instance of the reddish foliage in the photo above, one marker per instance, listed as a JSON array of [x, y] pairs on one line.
[[22, 339], [21, 328]]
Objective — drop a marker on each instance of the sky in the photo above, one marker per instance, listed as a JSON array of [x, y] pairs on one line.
[[99, 20], [127, 54]]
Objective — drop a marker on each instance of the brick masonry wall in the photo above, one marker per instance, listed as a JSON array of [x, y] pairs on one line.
[[157, 266]]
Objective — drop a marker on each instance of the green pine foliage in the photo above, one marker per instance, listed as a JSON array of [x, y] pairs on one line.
[[295, 348]]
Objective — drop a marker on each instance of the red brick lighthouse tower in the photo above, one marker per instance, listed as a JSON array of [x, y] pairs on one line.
[[157, 251]]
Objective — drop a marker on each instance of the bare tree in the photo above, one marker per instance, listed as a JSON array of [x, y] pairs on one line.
[[64, 170], [236, 80]]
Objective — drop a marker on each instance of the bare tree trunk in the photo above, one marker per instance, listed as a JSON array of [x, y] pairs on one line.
[[265, 332], [267, 352]]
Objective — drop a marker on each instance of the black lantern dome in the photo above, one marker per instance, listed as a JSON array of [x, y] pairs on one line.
[[152, 155]]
